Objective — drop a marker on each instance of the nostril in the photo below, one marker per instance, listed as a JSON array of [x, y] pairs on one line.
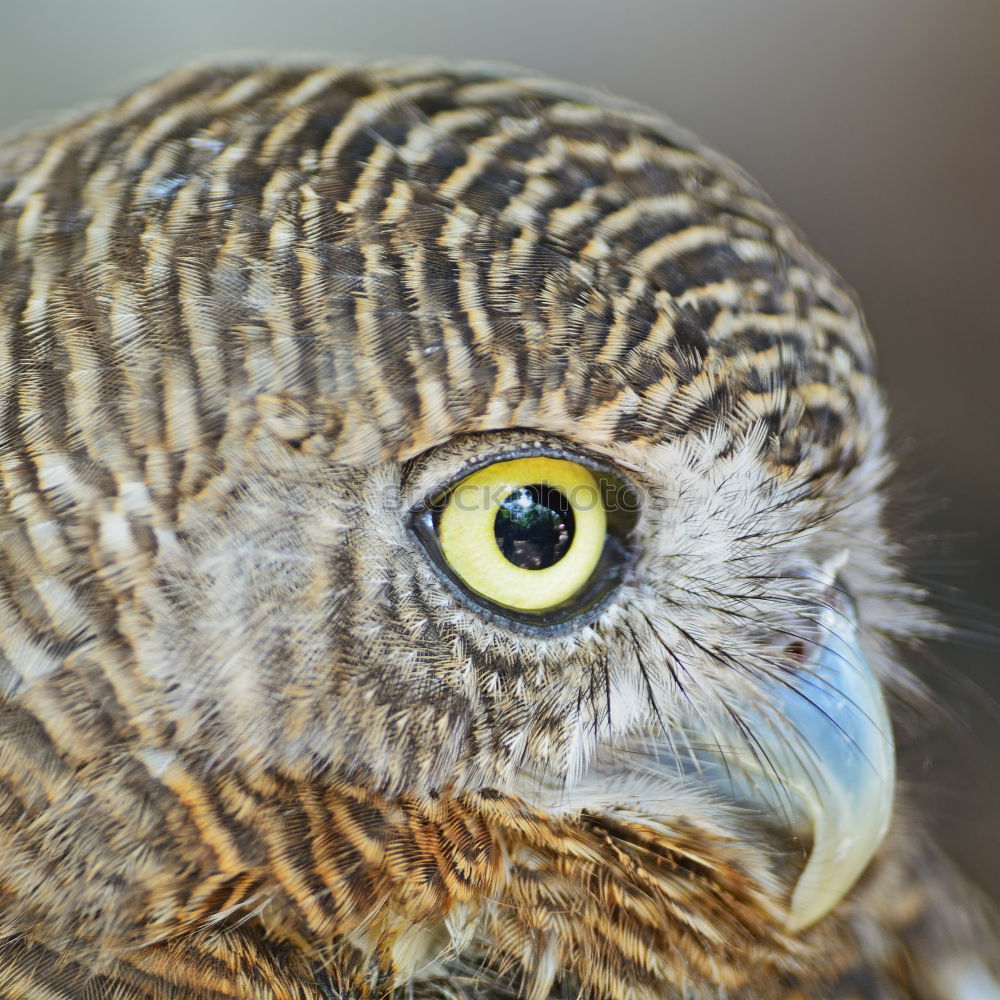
[[796, 650]]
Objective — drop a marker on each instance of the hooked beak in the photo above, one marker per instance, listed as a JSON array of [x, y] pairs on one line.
[[829, 741], [817, 754]]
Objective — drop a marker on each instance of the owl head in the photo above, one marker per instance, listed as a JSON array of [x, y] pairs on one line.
[[430, 428]]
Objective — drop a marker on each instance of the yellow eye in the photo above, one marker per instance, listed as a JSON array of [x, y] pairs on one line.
[[525, 534]]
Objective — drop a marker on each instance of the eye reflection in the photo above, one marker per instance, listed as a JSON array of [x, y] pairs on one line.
[[534, 526]]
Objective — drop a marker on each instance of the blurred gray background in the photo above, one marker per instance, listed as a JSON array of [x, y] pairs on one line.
[[874, 123]]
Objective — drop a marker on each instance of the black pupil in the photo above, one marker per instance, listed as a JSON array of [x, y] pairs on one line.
[[534, 526]]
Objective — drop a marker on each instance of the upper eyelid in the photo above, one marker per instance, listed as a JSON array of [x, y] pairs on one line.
[[419, 495]]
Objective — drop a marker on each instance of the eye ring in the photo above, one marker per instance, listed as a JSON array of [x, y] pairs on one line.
[[622, 505], [467, 532]]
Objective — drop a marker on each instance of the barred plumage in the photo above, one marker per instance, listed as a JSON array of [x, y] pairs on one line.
[[250, 746]]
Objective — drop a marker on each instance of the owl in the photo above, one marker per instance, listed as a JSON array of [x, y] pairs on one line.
[[443, 554]]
